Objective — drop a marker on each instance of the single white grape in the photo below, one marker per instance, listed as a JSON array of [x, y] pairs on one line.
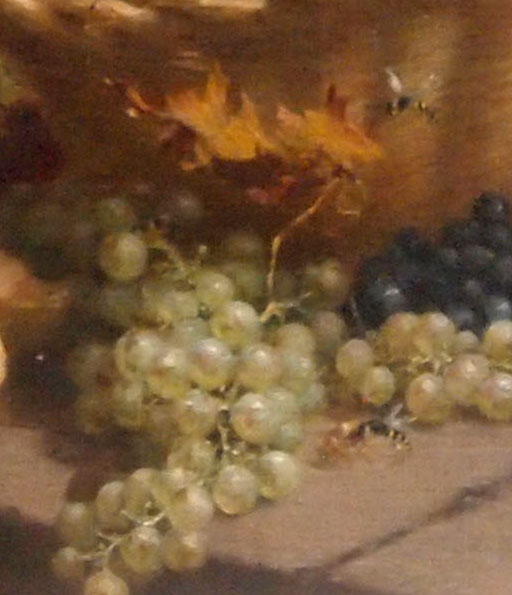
[[210, 364], [329, 281], [378, 385], [353, 359], [295, 337], [159, 423], [289, 436], [313, 399], [105, 582], [299, 371], [168, 483], [183, 551], [136, 351], [191, 509], [167, 376], [109, 505], [466, 342], [75, 525], [236, 323], [123, 256], [213, 289], [127, 404], [163, 303], [196, 413], [91, 366], [68, 565], [395, 336], [235, 490], [255, 418], [427, 400], [119, 304], [92, 412], [140, 550], [463, 376], [494, 397], [434, 335], [114, 214], [259, 366], [284, 402], [137, 492], [249, 280], [189, 331], [329, 330], [194, 454], [279, 474], [244, 245], [497, 340]]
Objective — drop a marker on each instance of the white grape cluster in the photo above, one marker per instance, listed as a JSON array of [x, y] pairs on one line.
[[432, 366], [211, 373]]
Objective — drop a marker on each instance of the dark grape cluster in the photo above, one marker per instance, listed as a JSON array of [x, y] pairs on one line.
[[467, 273]]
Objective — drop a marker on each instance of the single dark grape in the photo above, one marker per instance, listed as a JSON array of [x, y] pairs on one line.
[[476, 259], [472, 291], [497, 307], [448, 258], [497, 237], [379, 300], [375, 267], [491, 207], [460, 233], [464, 317], [409, 241], [500, 274]]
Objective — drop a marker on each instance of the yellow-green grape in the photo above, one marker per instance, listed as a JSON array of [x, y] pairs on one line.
[[114, 214], [378, 385], [136, 351], [295, 337], [119, 304], [68, 565], [191, 509], [196, 413], [210, 364], [123, 256], [299, 371], [463, 377], [137, 492], [236, 323], [109, 505], [105, 582], [162, 303], [284, 402], [395, 336], [244, 245], [168, 375], [140, 550], [353, 359], [279, 474], [290, 436], [91, 366], [75, 525], [183, 551], [434, 335], [313, 399], [189, 331], [248, 279], [465, 342], [427, 400], [497, 341], [494, 397], [255, 419], [196, 455], [329, 281], [213, 289], [329, 330], [236, 490], [259, 366], [168, 483], [92, 413], [127, 404]]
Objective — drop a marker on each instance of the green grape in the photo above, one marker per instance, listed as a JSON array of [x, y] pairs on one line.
[[136, 351], [462, 377], [68, 565], [236, 323], [168, 375], [329, 282], [279, 474], [75, 525], [162, 303], [168, 483], [353, 359], [378, 385], [123, 256], [259, 366], [189, 331], [284, 402], [295, 337], [196, 413], [137, 492], [140, 550], [434, 335], [255, 419], [497, 341], [119, 304], [191, 509], [235, 490], [92, 413], [289, 436], [196, 455], [213, 289], [183, 551], [313, 399], [114, 214], [109, 505], [210, 364], [427, 400], [465, 342], [395, 336], [244, 245], [105, 582], [127, 404], [329, 330], [91, 366], [299, 371], [494, 397]]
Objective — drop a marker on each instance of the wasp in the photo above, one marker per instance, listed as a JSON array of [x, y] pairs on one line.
[[404, 101]]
